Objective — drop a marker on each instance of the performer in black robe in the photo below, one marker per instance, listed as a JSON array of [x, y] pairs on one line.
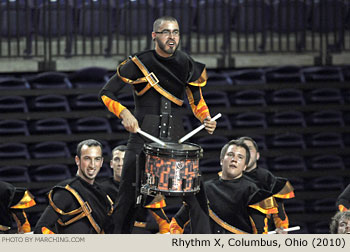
[[13, 202], [160, 79], [280, 188], [78, 205], [236, 205]]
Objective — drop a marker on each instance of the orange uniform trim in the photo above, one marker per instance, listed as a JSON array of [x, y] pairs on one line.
[[153, 82], [26, 202], [45, 230], [279, 223], [266, 206], [201, 81], [159, 204], [287, 192], [342, 208], [224, 224], [201, 110], [162, 224], [113, 106]]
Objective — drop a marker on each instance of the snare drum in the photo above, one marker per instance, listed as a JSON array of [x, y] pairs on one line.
[[172, 169]]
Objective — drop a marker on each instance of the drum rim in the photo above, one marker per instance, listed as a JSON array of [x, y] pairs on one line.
[[160, 150]]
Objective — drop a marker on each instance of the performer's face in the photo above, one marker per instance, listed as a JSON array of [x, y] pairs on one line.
[[117, 164], [233, 163], [254, 155], [168, 42], [89, 163], [344, 225]]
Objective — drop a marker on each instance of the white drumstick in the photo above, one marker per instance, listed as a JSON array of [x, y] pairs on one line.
[[287, 229], [150, 137], [195, 131]]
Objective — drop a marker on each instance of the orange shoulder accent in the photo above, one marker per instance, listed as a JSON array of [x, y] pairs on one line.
[[342, 208]]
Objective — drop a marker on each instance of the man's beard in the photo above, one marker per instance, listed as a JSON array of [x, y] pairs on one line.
[[163, 45]]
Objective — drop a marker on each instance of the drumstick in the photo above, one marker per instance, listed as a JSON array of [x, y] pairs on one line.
[[150, 137], [287, 229], [195, 131]]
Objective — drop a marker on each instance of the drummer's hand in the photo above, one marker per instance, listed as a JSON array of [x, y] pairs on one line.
[[209, 125], [129, 121]]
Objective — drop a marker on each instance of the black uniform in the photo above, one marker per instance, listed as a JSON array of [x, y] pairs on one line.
[[238, 206], [76, 207], [13, 201], [111, 187], [176, 74], [279, 187]]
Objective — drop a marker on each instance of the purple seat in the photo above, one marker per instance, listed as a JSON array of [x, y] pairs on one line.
[[51, 172], [284, 74], [326, 140], [50, 80], [247, 76], [14, 151], [10, 104], [286, 96], [211, 142], [50, 103], [325, 95], [50, 149], [288, 163], [249, 97], [216, 98], [86, 102], [51, 126], [326, 162], [89, 77], [326, 117], [323, 205], [91, 124], [249, 119], [13, 127], [14, 174], [287, 140], [287, 118], [323, 74], [13, 83], [218, 78], [327, 183]]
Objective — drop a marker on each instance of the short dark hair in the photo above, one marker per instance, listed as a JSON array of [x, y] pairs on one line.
[[247, 138], [89, 143], [238, 143], [333, 227], [159, 21], [119, 148]]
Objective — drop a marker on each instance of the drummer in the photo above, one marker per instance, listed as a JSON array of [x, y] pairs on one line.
[[160, 78]]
